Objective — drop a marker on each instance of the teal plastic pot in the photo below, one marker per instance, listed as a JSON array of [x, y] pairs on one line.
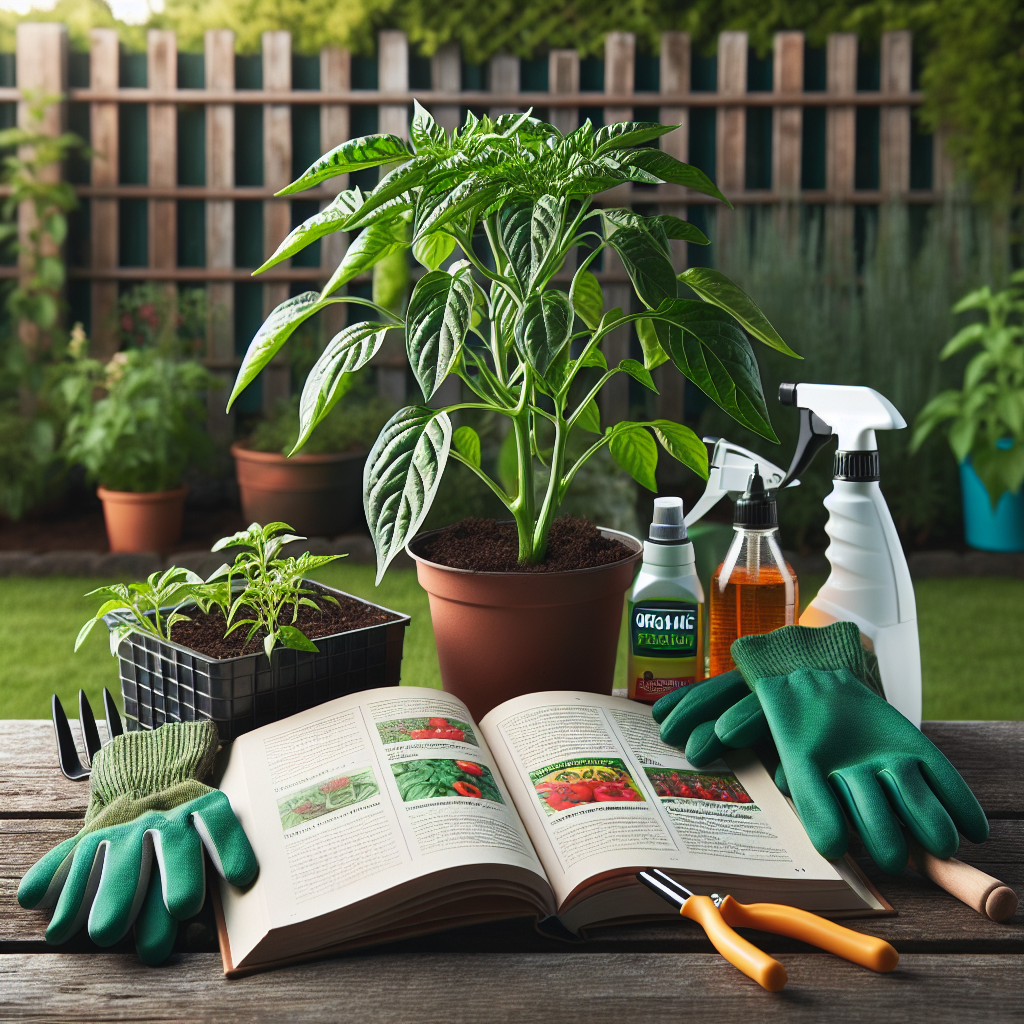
[[985, 528]]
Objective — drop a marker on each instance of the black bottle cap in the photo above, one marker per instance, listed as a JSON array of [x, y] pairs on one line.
[[756, 507], [859, 467]]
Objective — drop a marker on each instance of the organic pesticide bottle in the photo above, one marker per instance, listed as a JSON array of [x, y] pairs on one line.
[[666, 610], [755, 589]]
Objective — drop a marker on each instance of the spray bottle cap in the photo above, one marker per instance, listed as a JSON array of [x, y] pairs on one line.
[[668, 526], [756, 508]]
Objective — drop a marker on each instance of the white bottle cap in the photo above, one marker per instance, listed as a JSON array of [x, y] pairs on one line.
[[667, 525]]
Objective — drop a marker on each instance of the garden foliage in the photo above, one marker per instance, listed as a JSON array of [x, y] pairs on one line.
[[519, 191]]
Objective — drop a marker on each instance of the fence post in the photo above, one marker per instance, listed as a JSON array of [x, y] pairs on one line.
[[393, 76], [894, 131], [446, 76], [41, 64], [787, 126], [335, 128], [103, 226], [162, 67], [219, 62], [619, 56], [564, 77], [504, 76], [731, 139], [675, 79], [277, 213], [840, 145]]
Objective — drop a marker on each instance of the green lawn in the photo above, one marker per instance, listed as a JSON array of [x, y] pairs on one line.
[[972, 644]]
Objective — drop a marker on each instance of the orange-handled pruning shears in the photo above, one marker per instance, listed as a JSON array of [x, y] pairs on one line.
[[718, 915]]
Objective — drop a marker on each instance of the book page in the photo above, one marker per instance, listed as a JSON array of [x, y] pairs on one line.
[[647, 805], [364, 794]]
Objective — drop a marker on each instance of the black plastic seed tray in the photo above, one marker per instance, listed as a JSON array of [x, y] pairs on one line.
[[162, 681]]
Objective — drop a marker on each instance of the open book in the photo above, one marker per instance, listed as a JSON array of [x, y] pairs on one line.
[[391, 813]]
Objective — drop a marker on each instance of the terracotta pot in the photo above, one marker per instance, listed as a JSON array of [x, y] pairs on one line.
[[144, 521], [502, 634], [317, 495]]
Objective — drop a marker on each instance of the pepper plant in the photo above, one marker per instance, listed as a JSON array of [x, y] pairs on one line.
[[986, 417], [514, 197]]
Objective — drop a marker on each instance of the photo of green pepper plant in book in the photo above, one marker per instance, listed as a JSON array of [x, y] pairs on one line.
[[435, 777], [585, 781], [520, 317], [402, 730], [313, 801]]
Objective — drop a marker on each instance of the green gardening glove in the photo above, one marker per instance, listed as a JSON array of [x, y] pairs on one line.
[[841, 746], [146, 801]]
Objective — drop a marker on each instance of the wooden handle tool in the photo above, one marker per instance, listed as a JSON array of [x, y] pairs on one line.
[[985, 894], [866, 950]]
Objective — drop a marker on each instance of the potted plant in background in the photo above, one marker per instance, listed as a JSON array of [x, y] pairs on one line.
[[518, 189], [321, 490], [987, 414], [135, 424], [254, 643]]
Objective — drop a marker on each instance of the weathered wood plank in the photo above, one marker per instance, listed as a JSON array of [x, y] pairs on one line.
[[619, 63], [989, 755], [162, 73], [446, 76], [277, 213], [335, 128], [564, 77], [929, 919], [503, 71], [894, 128], [547, 987], [840, 143], [787, 126], [103, 213]]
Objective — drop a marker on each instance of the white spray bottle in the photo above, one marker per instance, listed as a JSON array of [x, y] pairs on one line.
[[870, 581]]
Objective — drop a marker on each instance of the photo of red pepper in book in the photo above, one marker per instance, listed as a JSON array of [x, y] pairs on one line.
[[402, 730], [436, 777], [721, 786], [585, 781]]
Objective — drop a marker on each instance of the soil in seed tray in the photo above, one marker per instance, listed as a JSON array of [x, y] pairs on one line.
[[486, 545], [205, 632]]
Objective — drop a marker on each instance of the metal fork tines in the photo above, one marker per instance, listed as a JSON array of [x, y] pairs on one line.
[[67, 751]]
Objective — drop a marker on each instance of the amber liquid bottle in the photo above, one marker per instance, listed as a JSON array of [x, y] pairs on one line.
[[755, 589]]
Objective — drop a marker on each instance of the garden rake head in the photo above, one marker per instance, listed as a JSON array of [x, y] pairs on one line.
[[67, 752]]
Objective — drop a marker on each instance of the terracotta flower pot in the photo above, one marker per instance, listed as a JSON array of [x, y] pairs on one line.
[[317, 495], [500, 634], [142, 521]]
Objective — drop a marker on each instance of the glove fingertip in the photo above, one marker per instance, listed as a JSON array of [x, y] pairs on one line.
[[663, 705], [704, 746], [155, 929]]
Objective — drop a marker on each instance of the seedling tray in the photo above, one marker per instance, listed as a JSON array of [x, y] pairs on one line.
[[162, 681]]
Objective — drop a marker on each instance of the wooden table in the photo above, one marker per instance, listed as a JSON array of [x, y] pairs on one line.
[[954, 964]]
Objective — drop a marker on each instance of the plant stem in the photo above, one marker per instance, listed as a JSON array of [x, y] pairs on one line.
[[551, 502]]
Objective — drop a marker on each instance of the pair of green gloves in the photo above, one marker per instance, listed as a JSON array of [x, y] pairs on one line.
[[843, 750], [146, 803]]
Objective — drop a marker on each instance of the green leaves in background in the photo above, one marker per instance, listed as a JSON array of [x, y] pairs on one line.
[[354, 155], [276, 330], [714, 287], [643, 255], [544, 329], [402, 474], [436, 324], [329, 379], [433, 249]]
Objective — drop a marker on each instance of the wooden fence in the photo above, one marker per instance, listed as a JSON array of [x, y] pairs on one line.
[[830, 128]]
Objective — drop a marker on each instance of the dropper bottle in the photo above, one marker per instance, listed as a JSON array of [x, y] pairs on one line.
[[666, 610], [755, 589]]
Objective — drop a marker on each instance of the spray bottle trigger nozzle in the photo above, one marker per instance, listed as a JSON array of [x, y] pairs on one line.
[[815, 433]]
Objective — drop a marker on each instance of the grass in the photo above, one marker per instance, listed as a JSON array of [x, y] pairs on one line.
[[972, 646]]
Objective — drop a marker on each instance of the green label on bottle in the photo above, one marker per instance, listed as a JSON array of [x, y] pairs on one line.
[[664, 629]]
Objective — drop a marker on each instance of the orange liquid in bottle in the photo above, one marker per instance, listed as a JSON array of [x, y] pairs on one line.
[[750, 603]]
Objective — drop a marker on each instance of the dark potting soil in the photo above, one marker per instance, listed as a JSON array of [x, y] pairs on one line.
[[486, 545], [205, 632]]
